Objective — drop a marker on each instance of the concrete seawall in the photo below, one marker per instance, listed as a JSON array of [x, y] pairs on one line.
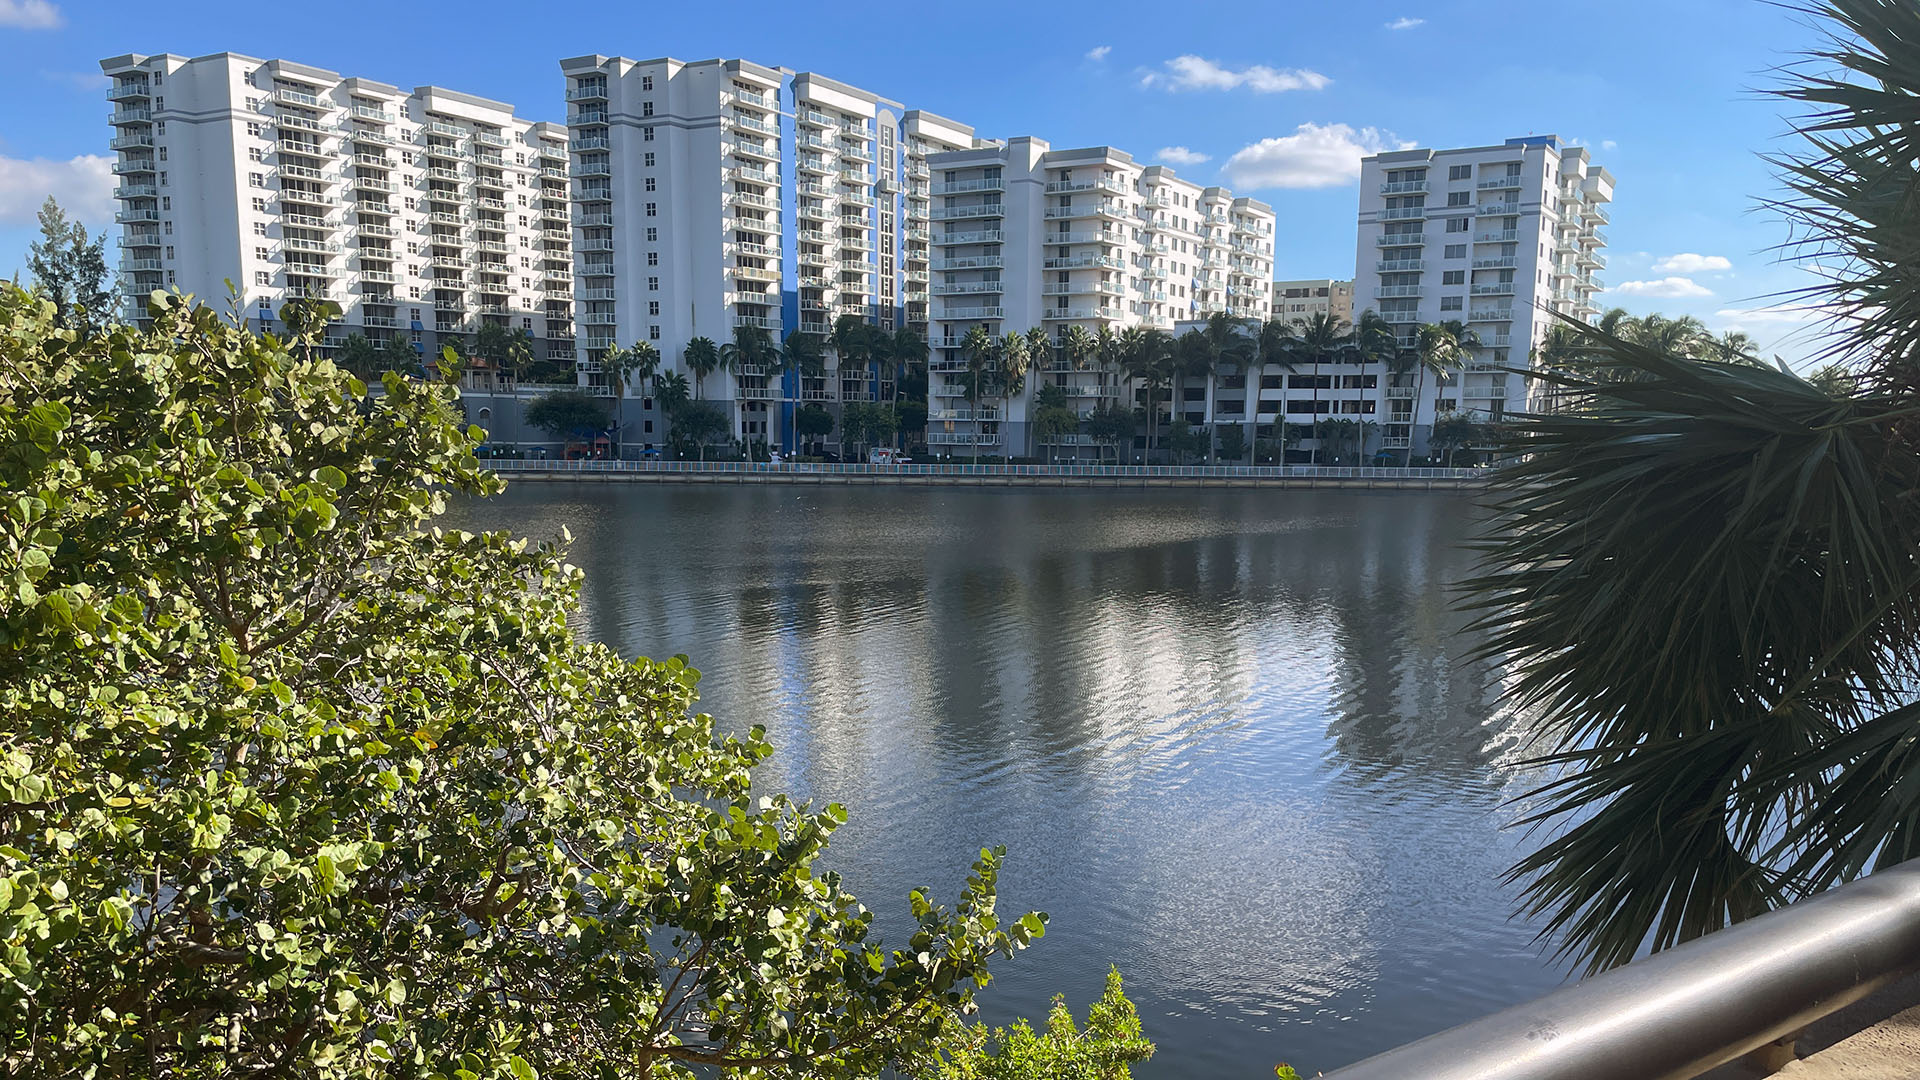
[[801, 476]]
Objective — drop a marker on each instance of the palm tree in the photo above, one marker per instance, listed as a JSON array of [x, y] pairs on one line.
[[1274, 346], [1735, 347], [702, 357], [1147, 358], [1195, 356], [1440, 348], [1322, 335], [1079, 345], [1376, 342], [799, 355], [980, 351], [1015, 358], [630, 367], [1702, 584], [670, 392]]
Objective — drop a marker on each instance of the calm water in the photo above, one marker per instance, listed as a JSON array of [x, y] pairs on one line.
[[1225, 736]]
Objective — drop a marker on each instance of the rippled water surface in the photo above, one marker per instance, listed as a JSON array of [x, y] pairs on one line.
[[1226, 737]]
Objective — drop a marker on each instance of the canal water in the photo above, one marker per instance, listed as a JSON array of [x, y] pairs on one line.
[[1228, 737]]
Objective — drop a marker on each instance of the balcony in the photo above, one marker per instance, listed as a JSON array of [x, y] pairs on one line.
[[745, 148], [1503, 209], [989, 236], [973, 313], [758, 322], [1403, 187], [1499, 183], [131, 116], [753, 273], [1491, 315], [1499, 262], [1399, 266], [588, 91], [965, 288], [128, 216], [1402, 213], [130, 142], [1400, 318], [1401, 239], [1067, 314], [961, 187], [138, 266], [295, 97], [1508, 236], [1385, 292], [136, 191], [129, 90], [1493, 288]]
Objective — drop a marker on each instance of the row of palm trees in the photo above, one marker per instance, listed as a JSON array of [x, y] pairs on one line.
[[854, 343], [1159, 365]]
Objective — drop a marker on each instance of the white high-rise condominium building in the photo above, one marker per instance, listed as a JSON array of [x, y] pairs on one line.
[[1497, 237], [424, 214], [722, 194], [1303, 299], [1026, 236]]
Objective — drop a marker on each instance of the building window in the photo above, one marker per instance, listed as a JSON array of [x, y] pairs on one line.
[[1450, 303], [169, 253], [261, 253], [653, 234], [1458, 224], [653, 308], [1460, 172], [646, 134], [260, 277], [649, 183], [1459, 198], [653, 258], [1453, 277], [255, 179], [1456, 251], [646, 108], [259, 228], [646, 82], [653, 284], [649, 159], [259, 205], [653, 209], [653, 332]]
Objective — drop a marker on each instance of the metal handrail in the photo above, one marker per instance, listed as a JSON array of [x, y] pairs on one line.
[[1335, 472], [1678, 1013]]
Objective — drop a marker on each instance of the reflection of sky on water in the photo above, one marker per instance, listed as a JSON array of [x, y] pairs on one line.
[[1224, 735]]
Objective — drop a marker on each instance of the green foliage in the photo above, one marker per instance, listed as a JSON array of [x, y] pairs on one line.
[[1103, 1050], [699, 425], [1109, 424], [366, 359], [70, 269], [566, 414], [1232, 443], [295, 783], [813, 421], [868, 422]]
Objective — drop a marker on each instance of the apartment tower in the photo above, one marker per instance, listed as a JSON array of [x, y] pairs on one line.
[[425, 214], [1296, 301], [724, 194], [1502, 238], [1026, 236]]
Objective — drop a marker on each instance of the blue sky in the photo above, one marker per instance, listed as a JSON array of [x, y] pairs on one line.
[[1276, 100]]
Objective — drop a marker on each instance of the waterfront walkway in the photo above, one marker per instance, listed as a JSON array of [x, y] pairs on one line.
[[937, 474]]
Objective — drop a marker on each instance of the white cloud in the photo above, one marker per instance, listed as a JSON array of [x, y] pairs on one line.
[[1774, 314], [1688, 263], [1609, 144], [1099, 52], [1180, 155], [83, 185], [1191, 72], [1669, 287], [30, 15], [1317, 155], [1405, 23]]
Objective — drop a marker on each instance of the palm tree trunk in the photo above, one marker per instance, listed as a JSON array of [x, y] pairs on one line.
[[1413, 417], [1313, 455]]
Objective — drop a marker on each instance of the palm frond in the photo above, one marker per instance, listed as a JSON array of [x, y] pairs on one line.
[[1708, 568]]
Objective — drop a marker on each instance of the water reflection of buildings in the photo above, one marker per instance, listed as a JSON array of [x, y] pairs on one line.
[[1198, 720]]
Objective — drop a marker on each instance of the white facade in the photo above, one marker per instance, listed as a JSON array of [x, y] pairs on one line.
[[1496, 237], [723, 194], [422, 213], [1026, 236], [1302, 299]]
